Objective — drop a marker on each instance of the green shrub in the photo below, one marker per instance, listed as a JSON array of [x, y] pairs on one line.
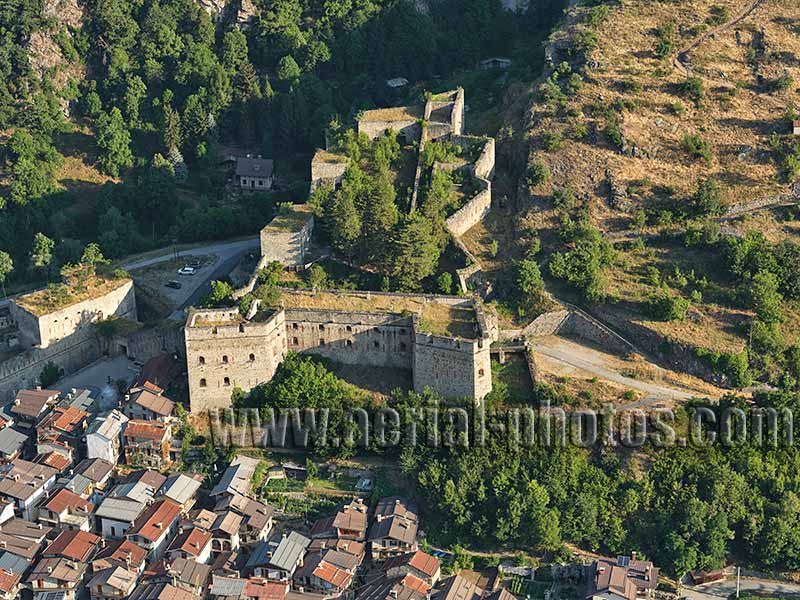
[[552, 141], [666, 306], [697, 147], [538, 173], [693, 89]]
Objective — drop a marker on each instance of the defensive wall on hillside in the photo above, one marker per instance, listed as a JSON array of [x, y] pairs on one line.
[[447, 352]]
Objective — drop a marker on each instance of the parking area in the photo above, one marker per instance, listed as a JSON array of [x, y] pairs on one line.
[[722, 590], [155, 278]]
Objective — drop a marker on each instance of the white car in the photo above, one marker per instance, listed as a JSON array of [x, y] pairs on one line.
[[187, 271]]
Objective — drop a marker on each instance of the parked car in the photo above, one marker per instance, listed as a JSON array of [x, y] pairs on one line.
[[186, 271], [174, 284], [195, 264]]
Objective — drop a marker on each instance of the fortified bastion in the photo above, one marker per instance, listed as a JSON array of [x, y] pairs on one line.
[[443, 340]]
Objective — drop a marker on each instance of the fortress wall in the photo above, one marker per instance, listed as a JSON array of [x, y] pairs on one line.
[[549, 323], [287, 247], [207, 346], [469, 215], [147, 343], [367, 339], [326, 173], [453, 368], [23, 370], [409, 129]]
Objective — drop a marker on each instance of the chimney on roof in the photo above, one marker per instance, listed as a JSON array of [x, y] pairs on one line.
[[49, 569], [159, 525]]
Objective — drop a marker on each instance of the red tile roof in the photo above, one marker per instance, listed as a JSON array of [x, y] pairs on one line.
[[333, 575], [8, 580], [121, 554], [148, 430], [75, 545], [64, 499], [158, 517], [192, 541], [268, 590], [68, 419], [55, 460]]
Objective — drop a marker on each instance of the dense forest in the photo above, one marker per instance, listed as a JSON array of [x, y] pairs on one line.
[[685, 508], [155, 91]]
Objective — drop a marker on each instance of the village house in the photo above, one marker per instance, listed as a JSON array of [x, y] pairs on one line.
[[181, 489], [147, 443], [9, 584], [115, 516], [114, 583], [160, 591], [104, 437], [191, 544], [66, 510], [458, 587], [57, 575], [148, 477], [54, 459], [25, 483], [625, 578], [62, 428], [355, 549], [27, 549], [120, 553], [6, 511], [147, 404], [225, 588], [225, 532], [96, 470], [31, 406], [237, 478], [394, 530], [407, 587], [187, 575], [12, 444], [199, 517], [254, 174], [74, 545], [325, 573], [155, 527], [258, 561], [288, 556], [419, 564], [27, 531], [256, 516]]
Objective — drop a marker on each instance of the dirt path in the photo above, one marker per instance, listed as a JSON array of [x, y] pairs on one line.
[[566, 357], [681, 60]]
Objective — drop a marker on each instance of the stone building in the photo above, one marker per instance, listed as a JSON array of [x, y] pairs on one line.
[[287, 237], [224, 350], [43, 320], [327, 168], [443, 340], [254, 174]]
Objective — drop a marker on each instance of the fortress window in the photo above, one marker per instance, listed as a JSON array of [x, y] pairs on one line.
[[202, 360], [402, 331], [226, 381], [225, 359], [241, 327], [348, 328], [202, 383], [295, 326], [214, 330], [321, 341], [376, 343], [349, 343], [481, 373], [402, 345], [322, 327], [294, 341], [252, 358]]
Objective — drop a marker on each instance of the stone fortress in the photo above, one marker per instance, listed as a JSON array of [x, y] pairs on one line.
[[43, 327], [443, 340]]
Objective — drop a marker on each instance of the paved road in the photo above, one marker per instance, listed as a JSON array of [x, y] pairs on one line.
[[723, 589], [94, 377], [591, 361], [223, 250]]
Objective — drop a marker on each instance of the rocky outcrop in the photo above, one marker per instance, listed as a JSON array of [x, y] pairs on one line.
[[238, 12]]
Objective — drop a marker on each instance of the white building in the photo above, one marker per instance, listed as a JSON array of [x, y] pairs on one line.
[[104, 437]]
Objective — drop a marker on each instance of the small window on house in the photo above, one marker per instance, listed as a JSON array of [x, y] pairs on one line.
[[225, 359], [294, 341], [252, 358], [226, 381], [349, 343], [202, 360], [241, 327], [214, 330], [481, 373], [295, 326], [203, 383]]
